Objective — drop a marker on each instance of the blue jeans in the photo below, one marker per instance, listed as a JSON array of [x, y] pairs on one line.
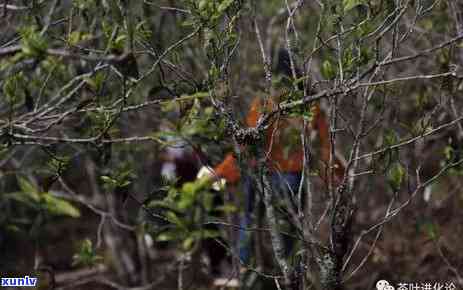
[[283, 186]]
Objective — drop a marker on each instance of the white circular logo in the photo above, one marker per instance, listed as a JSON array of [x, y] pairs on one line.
[[383, 285]]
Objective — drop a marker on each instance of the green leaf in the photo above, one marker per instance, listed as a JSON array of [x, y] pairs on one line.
[[33, 44], [188, 243], [142, 31], [188, 196], [173, 218], [190, 188], [449, 152], [77, 36], [59, 206], [28, 189], [125, 183], [390, 138], [28, 195], [86, 255], [167, 236], [328, 71], [119, 42], [224, 5], [202, 4], [349, 4], [96, 82], [13, 88], [396, 176], [108, 180]]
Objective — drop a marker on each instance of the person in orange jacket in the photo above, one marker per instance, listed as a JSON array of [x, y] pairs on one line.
[[285, 157], [285, 161]]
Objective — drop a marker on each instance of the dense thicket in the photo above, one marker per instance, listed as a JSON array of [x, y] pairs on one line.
[[97, 96]]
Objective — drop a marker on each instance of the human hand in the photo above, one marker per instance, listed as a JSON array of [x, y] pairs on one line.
[[207, 175]]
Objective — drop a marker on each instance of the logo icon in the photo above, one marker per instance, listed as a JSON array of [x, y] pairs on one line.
[[384, 285]]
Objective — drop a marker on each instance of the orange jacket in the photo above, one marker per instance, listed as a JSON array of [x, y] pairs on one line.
[[283, 144]]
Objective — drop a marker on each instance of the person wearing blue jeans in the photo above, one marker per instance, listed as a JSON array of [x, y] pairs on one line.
[[285, 185]]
